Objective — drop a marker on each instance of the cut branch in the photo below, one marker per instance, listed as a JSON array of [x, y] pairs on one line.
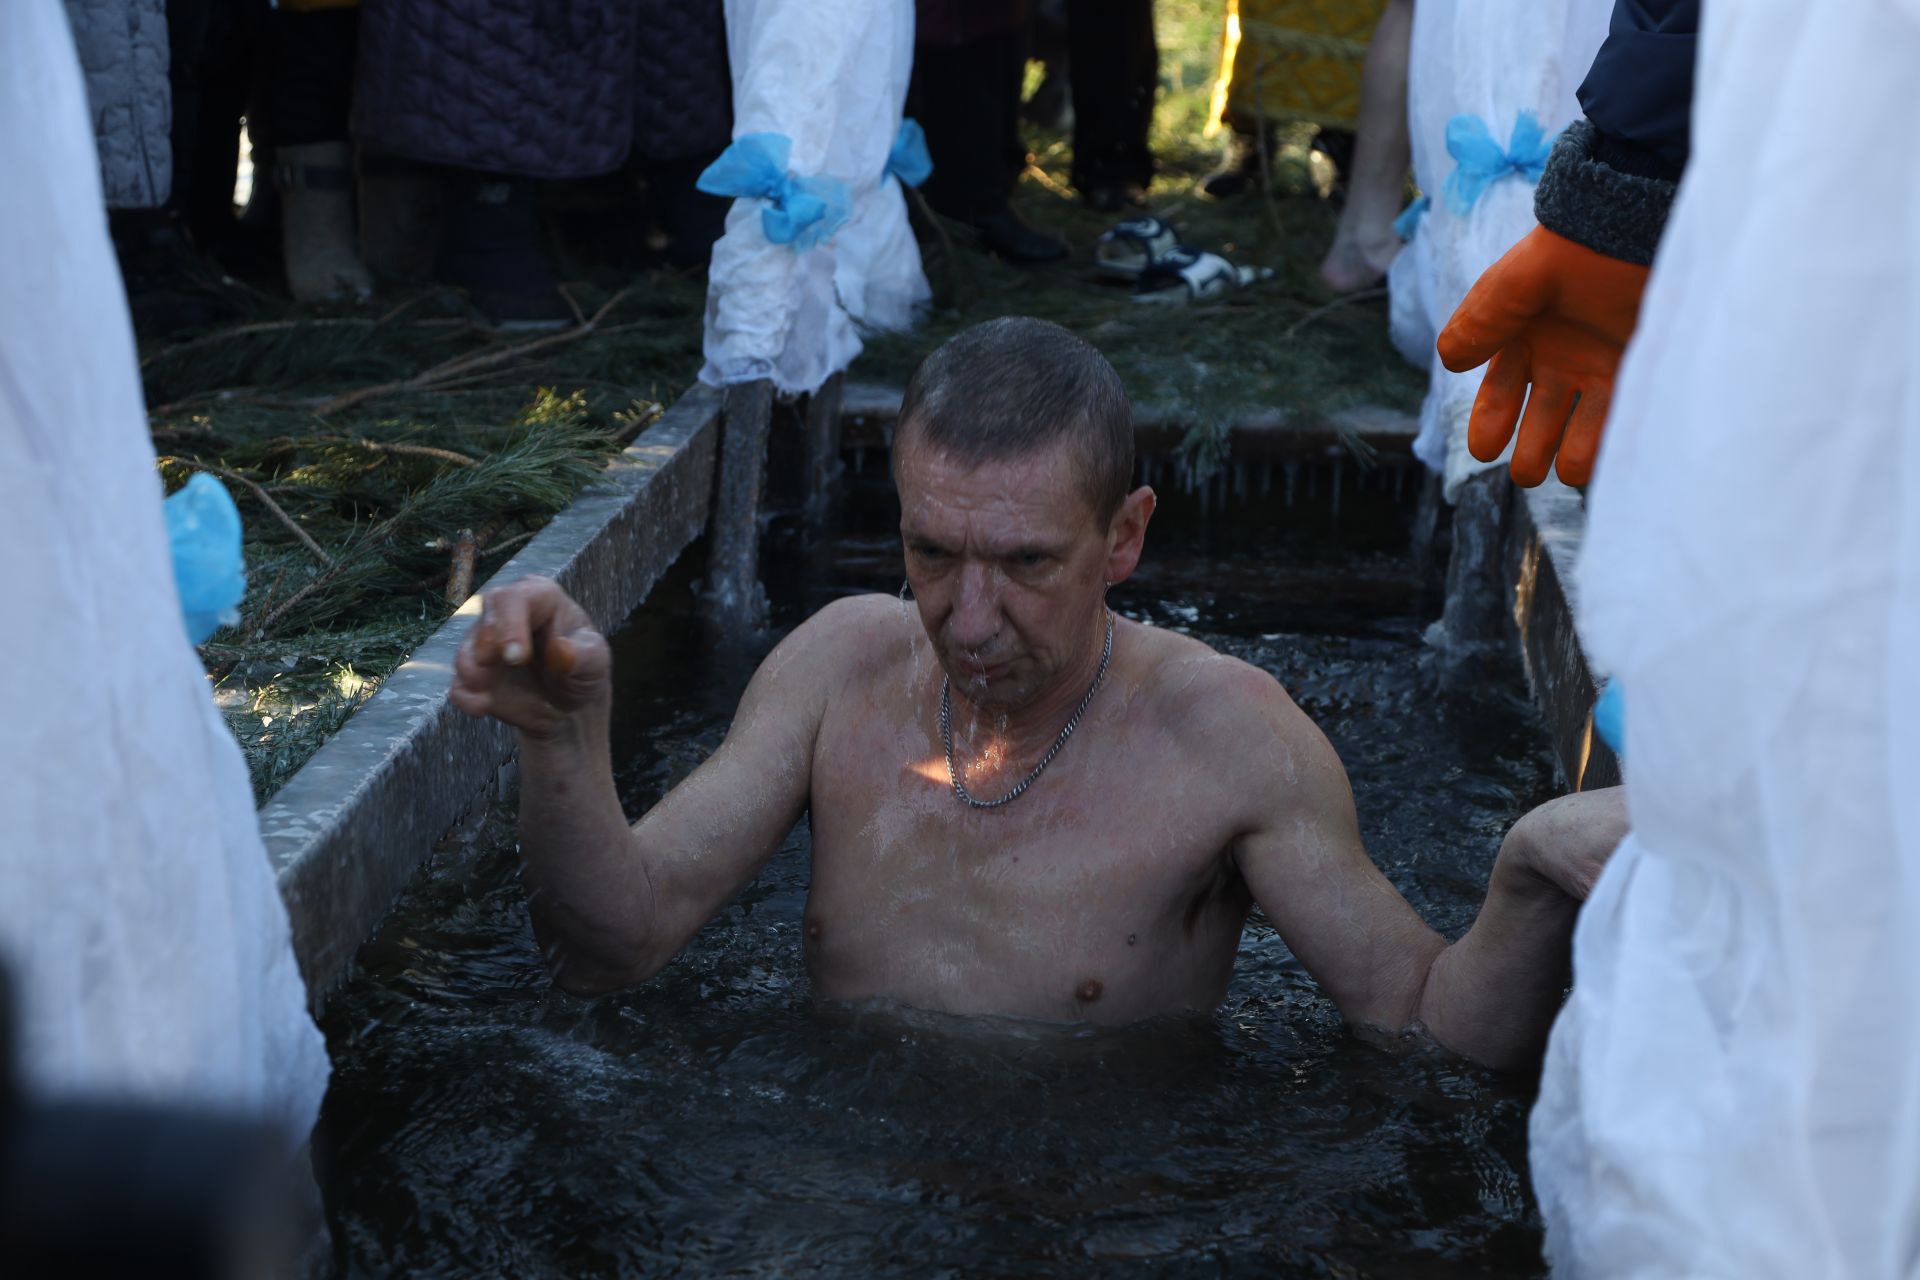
[[460, 577], [266, 500], [404, 450], [446, 370], [1363, 295]]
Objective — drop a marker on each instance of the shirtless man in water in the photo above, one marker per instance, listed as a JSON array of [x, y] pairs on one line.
[[1114, 799]]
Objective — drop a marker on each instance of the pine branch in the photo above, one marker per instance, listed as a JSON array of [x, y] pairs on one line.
[[460, 577], [306, 539], [405, 450], [459, 365]]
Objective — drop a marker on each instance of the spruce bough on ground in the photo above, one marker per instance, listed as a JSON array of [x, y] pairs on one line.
[[375, 496]]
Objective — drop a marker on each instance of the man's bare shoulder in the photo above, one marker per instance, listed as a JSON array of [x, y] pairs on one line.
[[1204, 689], [1233, 718], [838, 648], [849, 637]]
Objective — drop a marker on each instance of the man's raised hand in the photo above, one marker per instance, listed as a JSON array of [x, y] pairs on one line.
[[532, 660]]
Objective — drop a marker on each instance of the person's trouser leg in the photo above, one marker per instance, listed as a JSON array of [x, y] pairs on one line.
[[188, 22], [1115, 68], [311, 92], [967, 98], [309, 97]]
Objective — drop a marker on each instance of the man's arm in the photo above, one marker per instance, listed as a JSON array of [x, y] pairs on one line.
[[1493, 994], [612, 905]]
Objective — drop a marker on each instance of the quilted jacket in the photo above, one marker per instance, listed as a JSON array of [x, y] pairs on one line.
[[683, 92], [123, 51], [529, 88], [945, 23]]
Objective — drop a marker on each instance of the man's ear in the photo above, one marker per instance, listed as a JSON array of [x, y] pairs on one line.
[[1127, 534]]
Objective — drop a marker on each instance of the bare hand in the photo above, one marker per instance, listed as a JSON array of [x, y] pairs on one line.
[[1566, 842], [532, 660]]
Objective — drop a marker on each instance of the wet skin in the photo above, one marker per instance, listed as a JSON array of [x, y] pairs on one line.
[[1114, 889]]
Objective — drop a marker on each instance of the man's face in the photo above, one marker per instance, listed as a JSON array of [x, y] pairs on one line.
[[1008, 563]]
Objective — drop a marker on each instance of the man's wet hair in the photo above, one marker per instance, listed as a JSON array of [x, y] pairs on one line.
[[1010, 388]]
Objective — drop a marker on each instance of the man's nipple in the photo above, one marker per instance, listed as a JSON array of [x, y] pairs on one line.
[[1088, 991]]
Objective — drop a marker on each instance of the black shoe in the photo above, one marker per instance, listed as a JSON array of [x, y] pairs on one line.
[[1123, 198], [490, 247], [1239, 171], [1003, 233]]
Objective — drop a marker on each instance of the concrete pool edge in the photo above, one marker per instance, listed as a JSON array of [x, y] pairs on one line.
[[347, 832], [1544, 531], [868, 410]]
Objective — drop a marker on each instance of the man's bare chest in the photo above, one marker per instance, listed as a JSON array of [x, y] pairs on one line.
[[1090, 895]]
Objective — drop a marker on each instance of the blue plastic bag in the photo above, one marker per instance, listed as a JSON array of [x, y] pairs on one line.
[[1408, 222], [800, 212], [909, 160], [209, 569], [1480, 161], [1610, 718]]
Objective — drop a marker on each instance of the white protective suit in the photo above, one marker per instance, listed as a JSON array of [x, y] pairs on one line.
[[1734, 1087], [138, 916], [1492, 59], [832, 76]]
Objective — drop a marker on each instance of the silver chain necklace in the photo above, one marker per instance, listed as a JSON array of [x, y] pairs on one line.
[[946, 732]]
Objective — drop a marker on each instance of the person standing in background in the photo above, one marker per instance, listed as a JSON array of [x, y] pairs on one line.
[[499, 95], [1365, 242], [683, 118], [125, 54], [1296, 61], [969, 62], [1114, 68], [309, 99]]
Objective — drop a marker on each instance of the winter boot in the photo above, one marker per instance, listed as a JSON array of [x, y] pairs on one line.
[[490, 247], [399, 218], [315, 182]]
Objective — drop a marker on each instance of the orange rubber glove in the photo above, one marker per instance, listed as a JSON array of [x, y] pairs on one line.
[[1554, 316]]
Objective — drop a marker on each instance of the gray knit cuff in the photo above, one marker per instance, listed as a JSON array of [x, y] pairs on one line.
[[1610, 212]]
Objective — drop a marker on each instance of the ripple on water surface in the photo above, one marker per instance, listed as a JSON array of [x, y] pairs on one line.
[[718, 1122]]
